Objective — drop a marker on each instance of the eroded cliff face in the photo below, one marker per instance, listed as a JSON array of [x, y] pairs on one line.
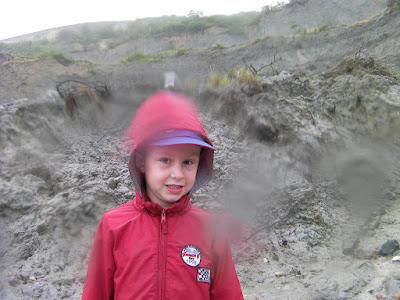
[[307, 159], [311, 167], [372, 32]]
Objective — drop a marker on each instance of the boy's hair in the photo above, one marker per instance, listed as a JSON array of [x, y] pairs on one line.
[[164, 112]]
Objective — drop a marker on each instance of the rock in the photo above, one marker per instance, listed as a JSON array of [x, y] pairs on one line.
[[355, 286], [279, 274], [350, 250], [389, 247], [324, 287], [392, 285], [38, 292], [64, 281], [396, 258], [41, 227], [13, 282], [286, 288], [112, 183]]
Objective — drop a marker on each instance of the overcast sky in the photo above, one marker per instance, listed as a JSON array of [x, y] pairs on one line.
[[20, 17]]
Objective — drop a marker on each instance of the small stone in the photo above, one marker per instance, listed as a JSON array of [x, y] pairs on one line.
[[41, 227], [13, 282], [279, 274], [265, 260], [112, 183], [379, 297], [32, 278], [37, 292], [23, 278], [396, 258], [287, 288], [397, 295], [389, 247]]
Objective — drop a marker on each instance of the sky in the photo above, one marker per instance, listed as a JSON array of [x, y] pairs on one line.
[[26, 16]]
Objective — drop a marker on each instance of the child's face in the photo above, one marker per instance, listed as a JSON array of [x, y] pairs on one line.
[[170, 172]]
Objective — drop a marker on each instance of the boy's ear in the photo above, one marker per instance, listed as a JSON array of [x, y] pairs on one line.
[[139, 162]]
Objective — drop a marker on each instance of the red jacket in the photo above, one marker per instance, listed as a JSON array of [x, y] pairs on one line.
[[138, 253], [143, 251]]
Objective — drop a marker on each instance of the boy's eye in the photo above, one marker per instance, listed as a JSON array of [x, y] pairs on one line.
[[188, 162], [165, 160]]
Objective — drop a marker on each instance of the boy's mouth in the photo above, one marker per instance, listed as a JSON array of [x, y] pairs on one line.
[[176, 189]]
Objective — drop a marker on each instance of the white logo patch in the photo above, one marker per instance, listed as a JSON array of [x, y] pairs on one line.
[[191, 255], [203, 275]]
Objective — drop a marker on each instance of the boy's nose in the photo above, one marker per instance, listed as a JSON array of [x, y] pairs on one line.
[[177, 172]]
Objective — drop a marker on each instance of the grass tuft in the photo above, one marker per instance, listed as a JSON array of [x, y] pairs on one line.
[[242, 76]]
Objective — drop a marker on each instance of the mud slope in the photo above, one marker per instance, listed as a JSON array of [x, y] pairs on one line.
[[312, 167]]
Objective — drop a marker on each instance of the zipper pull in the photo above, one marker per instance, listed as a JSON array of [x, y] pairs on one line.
[[163, 222]]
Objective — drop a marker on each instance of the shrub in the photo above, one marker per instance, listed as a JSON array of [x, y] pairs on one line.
[[394, 4], [67, 36], [57, 55], [219, 80], [246, 77], [140, 57], [243, 77], [298, 31], [218, 46], [137, 56], [319, 29], [323, 28], [26, 49], [195, 26], [181, 51], [296, 2], [174, 25]]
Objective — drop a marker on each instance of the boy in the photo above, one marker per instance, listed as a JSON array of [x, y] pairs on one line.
[[159, 245]]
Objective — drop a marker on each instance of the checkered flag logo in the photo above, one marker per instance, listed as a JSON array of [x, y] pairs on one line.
[[203, 275]]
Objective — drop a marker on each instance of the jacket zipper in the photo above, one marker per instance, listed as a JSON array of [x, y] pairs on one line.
[[163, 241]]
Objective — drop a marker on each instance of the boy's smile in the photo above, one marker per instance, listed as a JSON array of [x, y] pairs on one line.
[[170, 172]]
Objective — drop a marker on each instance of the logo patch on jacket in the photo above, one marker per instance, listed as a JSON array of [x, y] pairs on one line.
[[203, 275], [191, 255]]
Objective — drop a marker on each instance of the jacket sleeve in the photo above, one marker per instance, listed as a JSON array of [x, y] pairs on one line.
[[99, 282], [225, 285]]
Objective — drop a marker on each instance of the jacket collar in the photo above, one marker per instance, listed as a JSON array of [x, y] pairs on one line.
[[144, 204]]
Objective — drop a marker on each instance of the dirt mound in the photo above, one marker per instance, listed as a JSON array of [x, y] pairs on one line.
[[359, 67]]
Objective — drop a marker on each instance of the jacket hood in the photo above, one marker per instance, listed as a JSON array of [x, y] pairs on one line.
[[162, 112]]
